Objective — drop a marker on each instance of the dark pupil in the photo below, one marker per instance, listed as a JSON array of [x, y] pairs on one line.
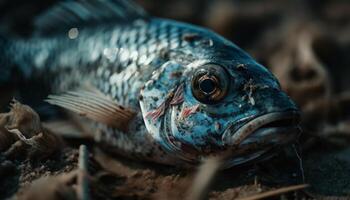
[[207, 86]]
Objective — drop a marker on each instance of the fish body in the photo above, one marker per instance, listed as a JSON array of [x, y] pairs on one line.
[[180, 92]]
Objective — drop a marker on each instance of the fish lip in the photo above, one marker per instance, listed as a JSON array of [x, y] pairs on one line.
[[267, 123]]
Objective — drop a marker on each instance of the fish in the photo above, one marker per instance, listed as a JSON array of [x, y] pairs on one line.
[[153, 89]]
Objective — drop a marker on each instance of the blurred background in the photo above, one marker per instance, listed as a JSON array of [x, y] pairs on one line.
[[306, 44]]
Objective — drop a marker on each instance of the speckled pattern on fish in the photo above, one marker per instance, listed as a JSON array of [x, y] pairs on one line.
[[192, 92]]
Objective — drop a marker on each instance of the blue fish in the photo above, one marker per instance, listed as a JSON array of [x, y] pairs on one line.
[[150, 88]]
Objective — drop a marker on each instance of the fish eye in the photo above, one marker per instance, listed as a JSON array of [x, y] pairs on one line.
[[210, 83]]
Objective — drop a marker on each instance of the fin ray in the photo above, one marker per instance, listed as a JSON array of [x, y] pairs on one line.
[[94, 105], [76, 107], [85, 95]]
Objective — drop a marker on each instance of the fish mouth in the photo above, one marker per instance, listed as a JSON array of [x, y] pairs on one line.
[[271, 128]]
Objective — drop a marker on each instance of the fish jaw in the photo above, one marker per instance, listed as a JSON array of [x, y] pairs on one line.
[[286, 122], [261, 137]]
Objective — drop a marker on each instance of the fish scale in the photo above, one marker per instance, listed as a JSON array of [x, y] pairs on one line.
[[160, 90], [150, 48]]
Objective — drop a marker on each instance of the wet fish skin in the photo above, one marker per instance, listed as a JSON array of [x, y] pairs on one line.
[[138, 65]]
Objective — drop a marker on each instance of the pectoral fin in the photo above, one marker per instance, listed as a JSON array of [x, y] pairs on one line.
[[95, 106]]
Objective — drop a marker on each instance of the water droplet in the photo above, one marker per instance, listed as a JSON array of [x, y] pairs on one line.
[[73, 33]]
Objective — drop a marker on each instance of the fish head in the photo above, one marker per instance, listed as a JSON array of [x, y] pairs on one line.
[[216, 107]]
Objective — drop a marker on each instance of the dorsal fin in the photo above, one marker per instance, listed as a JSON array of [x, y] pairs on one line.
[[79, 13]]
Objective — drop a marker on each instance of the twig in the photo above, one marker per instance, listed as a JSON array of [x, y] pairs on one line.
[[275, 192], [112, 165], [82, 181], [300, 163], [31, 141], [203, 179]]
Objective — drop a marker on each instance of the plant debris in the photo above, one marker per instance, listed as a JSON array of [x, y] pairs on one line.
[[22, 132]]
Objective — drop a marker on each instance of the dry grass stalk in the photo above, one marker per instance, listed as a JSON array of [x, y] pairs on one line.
[[276, 192], [204, 177], [112, 165], [82, 179]]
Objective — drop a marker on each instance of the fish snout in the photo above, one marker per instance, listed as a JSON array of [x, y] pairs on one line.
[[273, 128]]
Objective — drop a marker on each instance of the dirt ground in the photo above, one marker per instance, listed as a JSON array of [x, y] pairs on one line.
[[306, 45]]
